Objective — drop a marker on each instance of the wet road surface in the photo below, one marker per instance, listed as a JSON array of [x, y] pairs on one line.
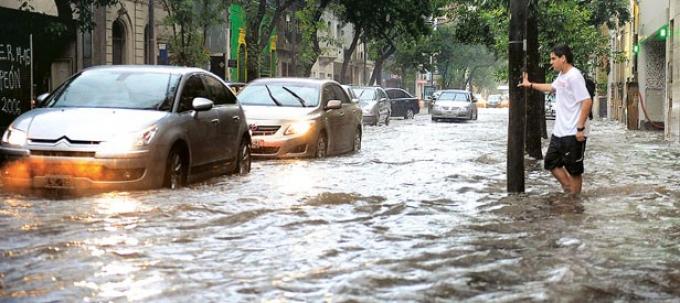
[[419, 215]]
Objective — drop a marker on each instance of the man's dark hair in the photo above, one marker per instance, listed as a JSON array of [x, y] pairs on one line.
[[564, 50]]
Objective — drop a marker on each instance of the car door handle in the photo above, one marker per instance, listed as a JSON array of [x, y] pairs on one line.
[[215, 121], [236, 118]]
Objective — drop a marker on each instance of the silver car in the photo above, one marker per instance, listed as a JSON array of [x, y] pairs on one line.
[[294, 117], [128, 127], [454, 104], [375, 104]]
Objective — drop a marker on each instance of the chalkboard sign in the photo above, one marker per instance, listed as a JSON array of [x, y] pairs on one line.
[[15, 77]]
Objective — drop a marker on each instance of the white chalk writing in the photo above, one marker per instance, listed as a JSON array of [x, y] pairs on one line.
[[10, 106], [10, 79], [15, 54]]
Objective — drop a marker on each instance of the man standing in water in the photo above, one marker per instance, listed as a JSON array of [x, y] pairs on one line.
[[564, 158]]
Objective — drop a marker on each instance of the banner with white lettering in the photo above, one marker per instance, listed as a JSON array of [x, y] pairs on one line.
[[15, 77]]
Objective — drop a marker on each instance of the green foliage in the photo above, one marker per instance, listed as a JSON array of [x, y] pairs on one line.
[[189, 21]]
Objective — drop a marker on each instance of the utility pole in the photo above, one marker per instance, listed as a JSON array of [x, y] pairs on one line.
[[536, 99], [152, 35], [517, 122]]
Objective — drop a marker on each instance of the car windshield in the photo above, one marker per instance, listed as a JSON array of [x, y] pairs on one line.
[[364, 94], [453, 96], [280, 94], [118, 89]]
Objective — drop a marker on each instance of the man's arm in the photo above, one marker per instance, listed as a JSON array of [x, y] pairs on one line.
[[543, 87], [585, 112], [582, 117]]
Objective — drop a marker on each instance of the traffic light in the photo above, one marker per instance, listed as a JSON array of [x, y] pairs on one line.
[[663, 32], [636, 48]]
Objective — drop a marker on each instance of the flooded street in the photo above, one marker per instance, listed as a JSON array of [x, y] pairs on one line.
[[419, 215]]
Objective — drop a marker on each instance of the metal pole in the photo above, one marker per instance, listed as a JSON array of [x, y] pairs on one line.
[[30, 45], [517, 115]]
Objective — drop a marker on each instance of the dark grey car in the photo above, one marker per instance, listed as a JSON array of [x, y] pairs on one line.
[[403, 104], [128, 127]]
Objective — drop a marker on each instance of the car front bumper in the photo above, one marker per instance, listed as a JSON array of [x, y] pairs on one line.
[[451, 114], [138, 170], [292, 146]]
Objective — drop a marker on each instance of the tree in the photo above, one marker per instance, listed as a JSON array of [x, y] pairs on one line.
[[262, 16], [310, 24], [393, 23], [189, 21]]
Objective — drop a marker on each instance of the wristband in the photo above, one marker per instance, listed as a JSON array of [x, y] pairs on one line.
[[531, 85], [580, 129]]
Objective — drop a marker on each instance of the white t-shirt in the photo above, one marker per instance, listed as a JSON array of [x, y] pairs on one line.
[[570, 92]]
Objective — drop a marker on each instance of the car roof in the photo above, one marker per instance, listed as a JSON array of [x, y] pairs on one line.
[[305, 81], [149, 68], [455, 91]]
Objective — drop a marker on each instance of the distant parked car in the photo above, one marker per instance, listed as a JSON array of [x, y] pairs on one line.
[[128, 127], [375, 104], [295, 117], [454, 104], [403, 104], [493, 101]]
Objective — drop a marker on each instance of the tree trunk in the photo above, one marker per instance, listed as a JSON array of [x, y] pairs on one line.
[[517, 119], [376, 76], [307, 66], [253, 42], [540, 78], [536, 99], [347, 56]]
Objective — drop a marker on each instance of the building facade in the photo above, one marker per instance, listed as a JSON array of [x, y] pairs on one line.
[[642, 90]]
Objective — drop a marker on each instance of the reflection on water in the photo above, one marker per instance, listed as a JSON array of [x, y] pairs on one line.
[[420, 214]]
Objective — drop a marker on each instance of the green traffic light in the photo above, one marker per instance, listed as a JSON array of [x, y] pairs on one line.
[[662, 33], [636, 48]]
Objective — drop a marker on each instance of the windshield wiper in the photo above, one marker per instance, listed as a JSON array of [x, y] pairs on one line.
[[272, 96], [302, 101]]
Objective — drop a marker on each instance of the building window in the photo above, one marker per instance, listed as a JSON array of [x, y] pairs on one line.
[[118, 41]]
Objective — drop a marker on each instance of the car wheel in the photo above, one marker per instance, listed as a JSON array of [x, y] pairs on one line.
[[434, 119], [357, 140], [321, 146], [409, 114], [175, 170], [244, 161]]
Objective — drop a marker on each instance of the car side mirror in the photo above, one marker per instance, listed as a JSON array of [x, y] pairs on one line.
[[202, 104], [40, 100], [334, 104]]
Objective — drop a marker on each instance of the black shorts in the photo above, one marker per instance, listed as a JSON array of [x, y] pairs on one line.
[[565, 152]]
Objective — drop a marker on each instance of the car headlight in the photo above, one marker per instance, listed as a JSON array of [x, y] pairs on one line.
[[129, 141], [13, 136], [299, 128]]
